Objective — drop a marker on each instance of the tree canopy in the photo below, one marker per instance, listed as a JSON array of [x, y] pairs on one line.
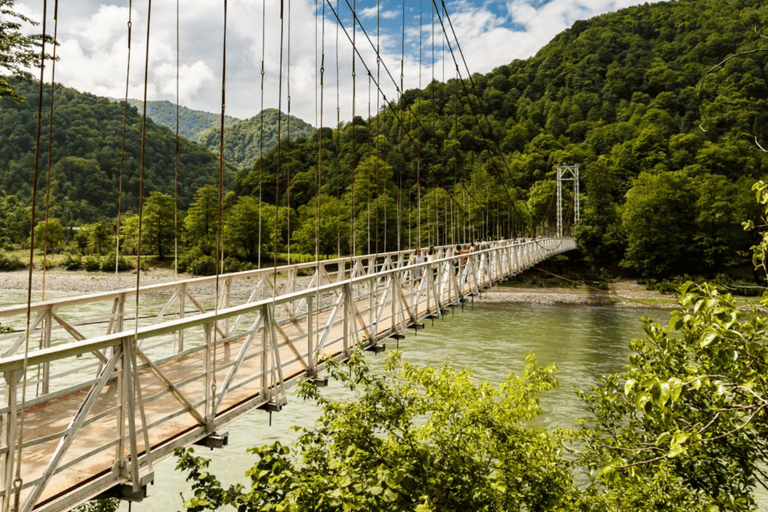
[[18, 53]]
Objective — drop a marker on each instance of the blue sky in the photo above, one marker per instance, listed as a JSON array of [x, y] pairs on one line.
[[94, 35]]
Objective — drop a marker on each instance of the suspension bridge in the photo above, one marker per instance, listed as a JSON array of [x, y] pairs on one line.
[[108, 389], [98, 388]]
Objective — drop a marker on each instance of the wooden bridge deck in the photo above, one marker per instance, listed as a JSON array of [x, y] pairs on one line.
[[85, 406]]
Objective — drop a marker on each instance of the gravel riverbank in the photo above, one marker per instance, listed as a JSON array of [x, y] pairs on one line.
[[627, 294], [63, 283]]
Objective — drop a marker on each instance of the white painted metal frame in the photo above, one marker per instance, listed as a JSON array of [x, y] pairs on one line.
[[129, 399]]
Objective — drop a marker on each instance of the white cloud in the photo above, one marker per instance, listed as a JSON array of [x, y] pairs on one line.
[[94, 48]]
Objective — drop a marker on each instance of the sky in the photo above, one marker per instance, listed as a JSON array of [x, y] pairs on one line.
[[94, 35]]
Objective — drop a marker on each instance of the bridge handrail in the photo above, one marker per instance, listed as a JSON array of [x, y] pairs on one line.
[[75, 348], [159, 287]]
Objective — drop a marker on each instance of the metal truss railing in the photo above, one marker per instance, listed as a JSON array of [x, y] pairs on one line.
[[109, 393]]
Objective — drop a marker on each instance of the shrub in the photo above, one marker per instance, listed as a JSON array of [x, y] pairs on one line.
[[232, 264], [9, 262], [91, 262], [71, 261], [203, 266], [107, 263], [47, 263]]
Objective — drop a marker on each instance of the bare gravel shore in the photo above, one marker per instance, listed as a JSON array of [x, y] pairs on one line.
[[626, 294], [63, 283]]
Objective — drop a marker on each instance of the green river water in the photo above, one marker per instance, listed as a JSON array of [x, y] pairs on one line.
[[493, 340]]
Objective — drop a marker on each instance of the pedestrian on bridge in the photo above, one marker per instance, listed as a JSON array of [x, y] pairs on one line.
[[415, 260]]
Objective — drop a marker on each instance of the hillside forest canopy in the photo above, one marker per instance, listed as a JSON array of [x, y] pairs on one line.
[[668, 143]]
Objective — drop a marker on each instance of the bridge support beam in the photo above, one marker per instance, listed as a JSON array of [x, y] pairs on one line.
[[214, 440], [130, 492]]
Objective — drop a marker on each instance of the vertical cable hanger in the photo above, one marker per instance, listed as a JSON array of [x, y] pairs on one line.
[[50, 147], [288, 134], [261, 126], [220, 218], [176, 160], [48, 174], [141, 168], [320, 144], [18, 482], [400, 137], [338, 146], [368, 167], [279, 136], [418, 139], [122, 148], [436, 199], [136, 388], [353, 218], [442, 150], [378, 120]]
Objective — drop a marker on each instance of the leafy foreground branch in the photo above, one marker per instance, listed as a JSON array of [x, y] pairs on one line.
[[413, 439], [689, 414], [682, 429]]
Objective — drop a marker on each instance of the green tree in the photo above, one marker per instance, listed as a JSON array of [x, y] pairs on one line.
[[81, 237], [202, 218], [334, 226], [658, 218], [241, 230], [157, 229], [49, 234], [18, 52], [129, 233], [599, 231], [98, 237], [415, 439]]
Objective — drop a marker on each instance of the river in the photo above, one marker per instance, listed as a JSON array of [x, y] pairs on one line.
[[492, 339]]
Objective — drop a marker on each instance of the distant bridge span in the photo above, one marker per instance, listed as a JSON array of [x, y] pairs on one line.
[[98, 406]]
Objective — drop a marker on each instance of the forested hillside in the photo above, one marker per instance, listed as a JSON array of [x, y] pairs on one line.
[[246, 141], [191, 122], [668, 144], [667, 158], [86, 160]]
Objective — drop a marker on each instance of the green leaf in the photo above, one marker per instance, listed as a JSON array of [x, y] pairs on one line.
[[708, 339], [675, 450]]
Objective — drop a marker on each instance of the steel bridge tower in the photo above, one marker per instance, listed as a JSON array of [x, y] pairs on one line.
[[562, 172]]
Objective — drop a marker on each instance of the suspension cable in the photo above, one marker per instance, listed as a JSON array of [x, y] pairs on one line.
[[352, 165], [261, 127], [288, 133], [17, 482], [279, 136], [320, 146], [122, 148], [356, 52], [220, 217], [141, 170], [176, 159], [400, 136], [469, 101], [338, 147], [50, 147]]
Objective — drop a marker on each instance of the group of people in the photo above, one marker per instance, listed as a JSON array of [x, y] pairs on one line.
[[432, 256]]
